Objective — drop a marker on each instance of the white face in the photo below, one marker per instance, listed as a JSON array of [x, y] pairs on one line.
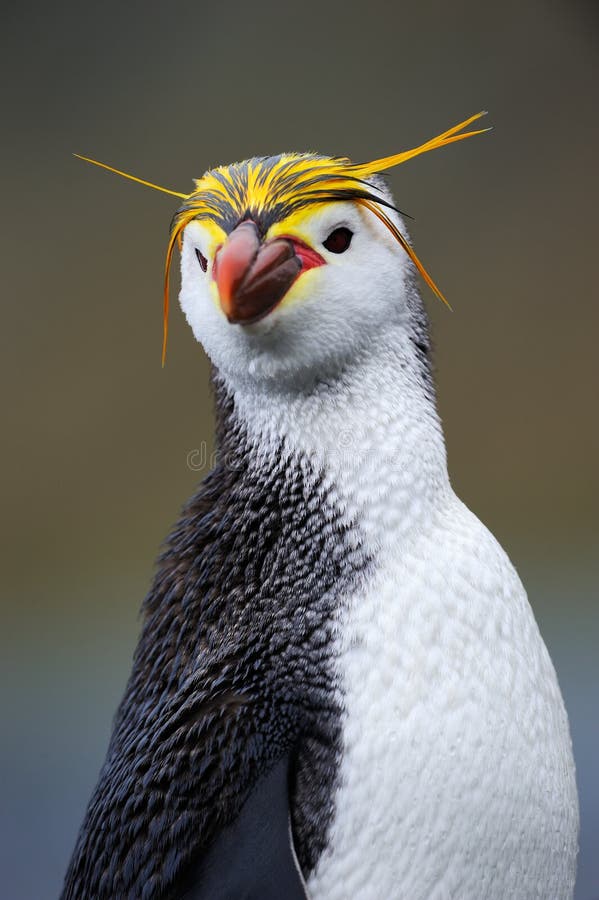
[[329, 313]]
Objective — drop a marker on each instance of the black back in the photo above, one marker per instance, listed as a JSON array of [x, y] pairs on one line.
[[233, 674]]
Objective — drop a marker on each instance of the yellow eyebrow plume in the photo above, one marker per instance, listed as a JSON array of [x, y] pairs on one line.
[[442, 140], [149, 184], [275, 187], [171, 244], [380, 214]]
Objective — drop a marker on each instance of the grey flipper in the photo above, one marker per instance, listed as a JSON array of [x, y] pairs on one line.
[[253, 858]]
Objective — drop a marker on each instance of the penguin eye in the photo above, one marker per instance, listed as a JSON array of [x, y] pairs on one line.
[[202, 260], [339, 240]]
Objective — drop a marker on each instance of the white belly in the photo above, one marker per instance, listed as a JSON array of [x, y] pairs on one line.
[[457, 778]]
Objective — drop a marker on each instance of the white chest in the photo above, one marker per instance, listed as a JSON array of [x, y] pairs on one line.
[[457, 779]]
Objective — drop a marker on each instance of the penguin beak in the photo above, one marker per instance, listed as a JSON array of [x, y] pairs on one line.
[[253, 277]]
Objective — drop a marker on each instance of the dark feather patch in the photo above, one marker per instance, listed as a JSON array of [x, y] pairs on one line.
[[232, 673]]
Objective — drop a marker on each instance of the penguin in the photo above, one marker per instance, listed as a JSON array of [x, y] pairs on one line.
[[340, 690]]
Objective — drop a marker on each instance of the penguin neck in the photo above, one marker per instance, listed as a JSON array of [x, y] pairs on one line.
[[372, 430]]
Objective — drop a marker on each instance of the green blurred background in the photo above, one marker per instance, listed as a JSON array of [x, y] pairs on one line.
[[96, 437]]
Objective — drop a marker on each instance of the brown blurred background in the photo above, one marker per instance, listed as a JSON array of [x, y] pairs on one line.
[[96, 437]]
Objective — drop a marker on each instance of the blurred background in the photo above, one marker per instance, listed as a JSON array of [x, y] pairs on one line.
[[96, 438]]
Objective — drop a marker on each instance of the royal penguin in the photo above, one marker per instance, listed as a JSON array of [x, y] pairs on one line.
[[340, 691]]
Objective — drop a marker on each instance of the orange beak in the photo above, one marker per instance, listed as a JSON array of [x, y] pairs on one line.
[[253, 277]]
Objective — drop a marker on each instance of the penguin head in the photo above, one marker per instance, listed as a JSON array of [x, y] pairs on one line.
[[292, 263], [287, 295]]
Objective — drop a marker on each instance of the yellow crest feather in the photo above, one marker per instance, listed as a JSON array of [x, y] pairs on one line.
[[273, 187]]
